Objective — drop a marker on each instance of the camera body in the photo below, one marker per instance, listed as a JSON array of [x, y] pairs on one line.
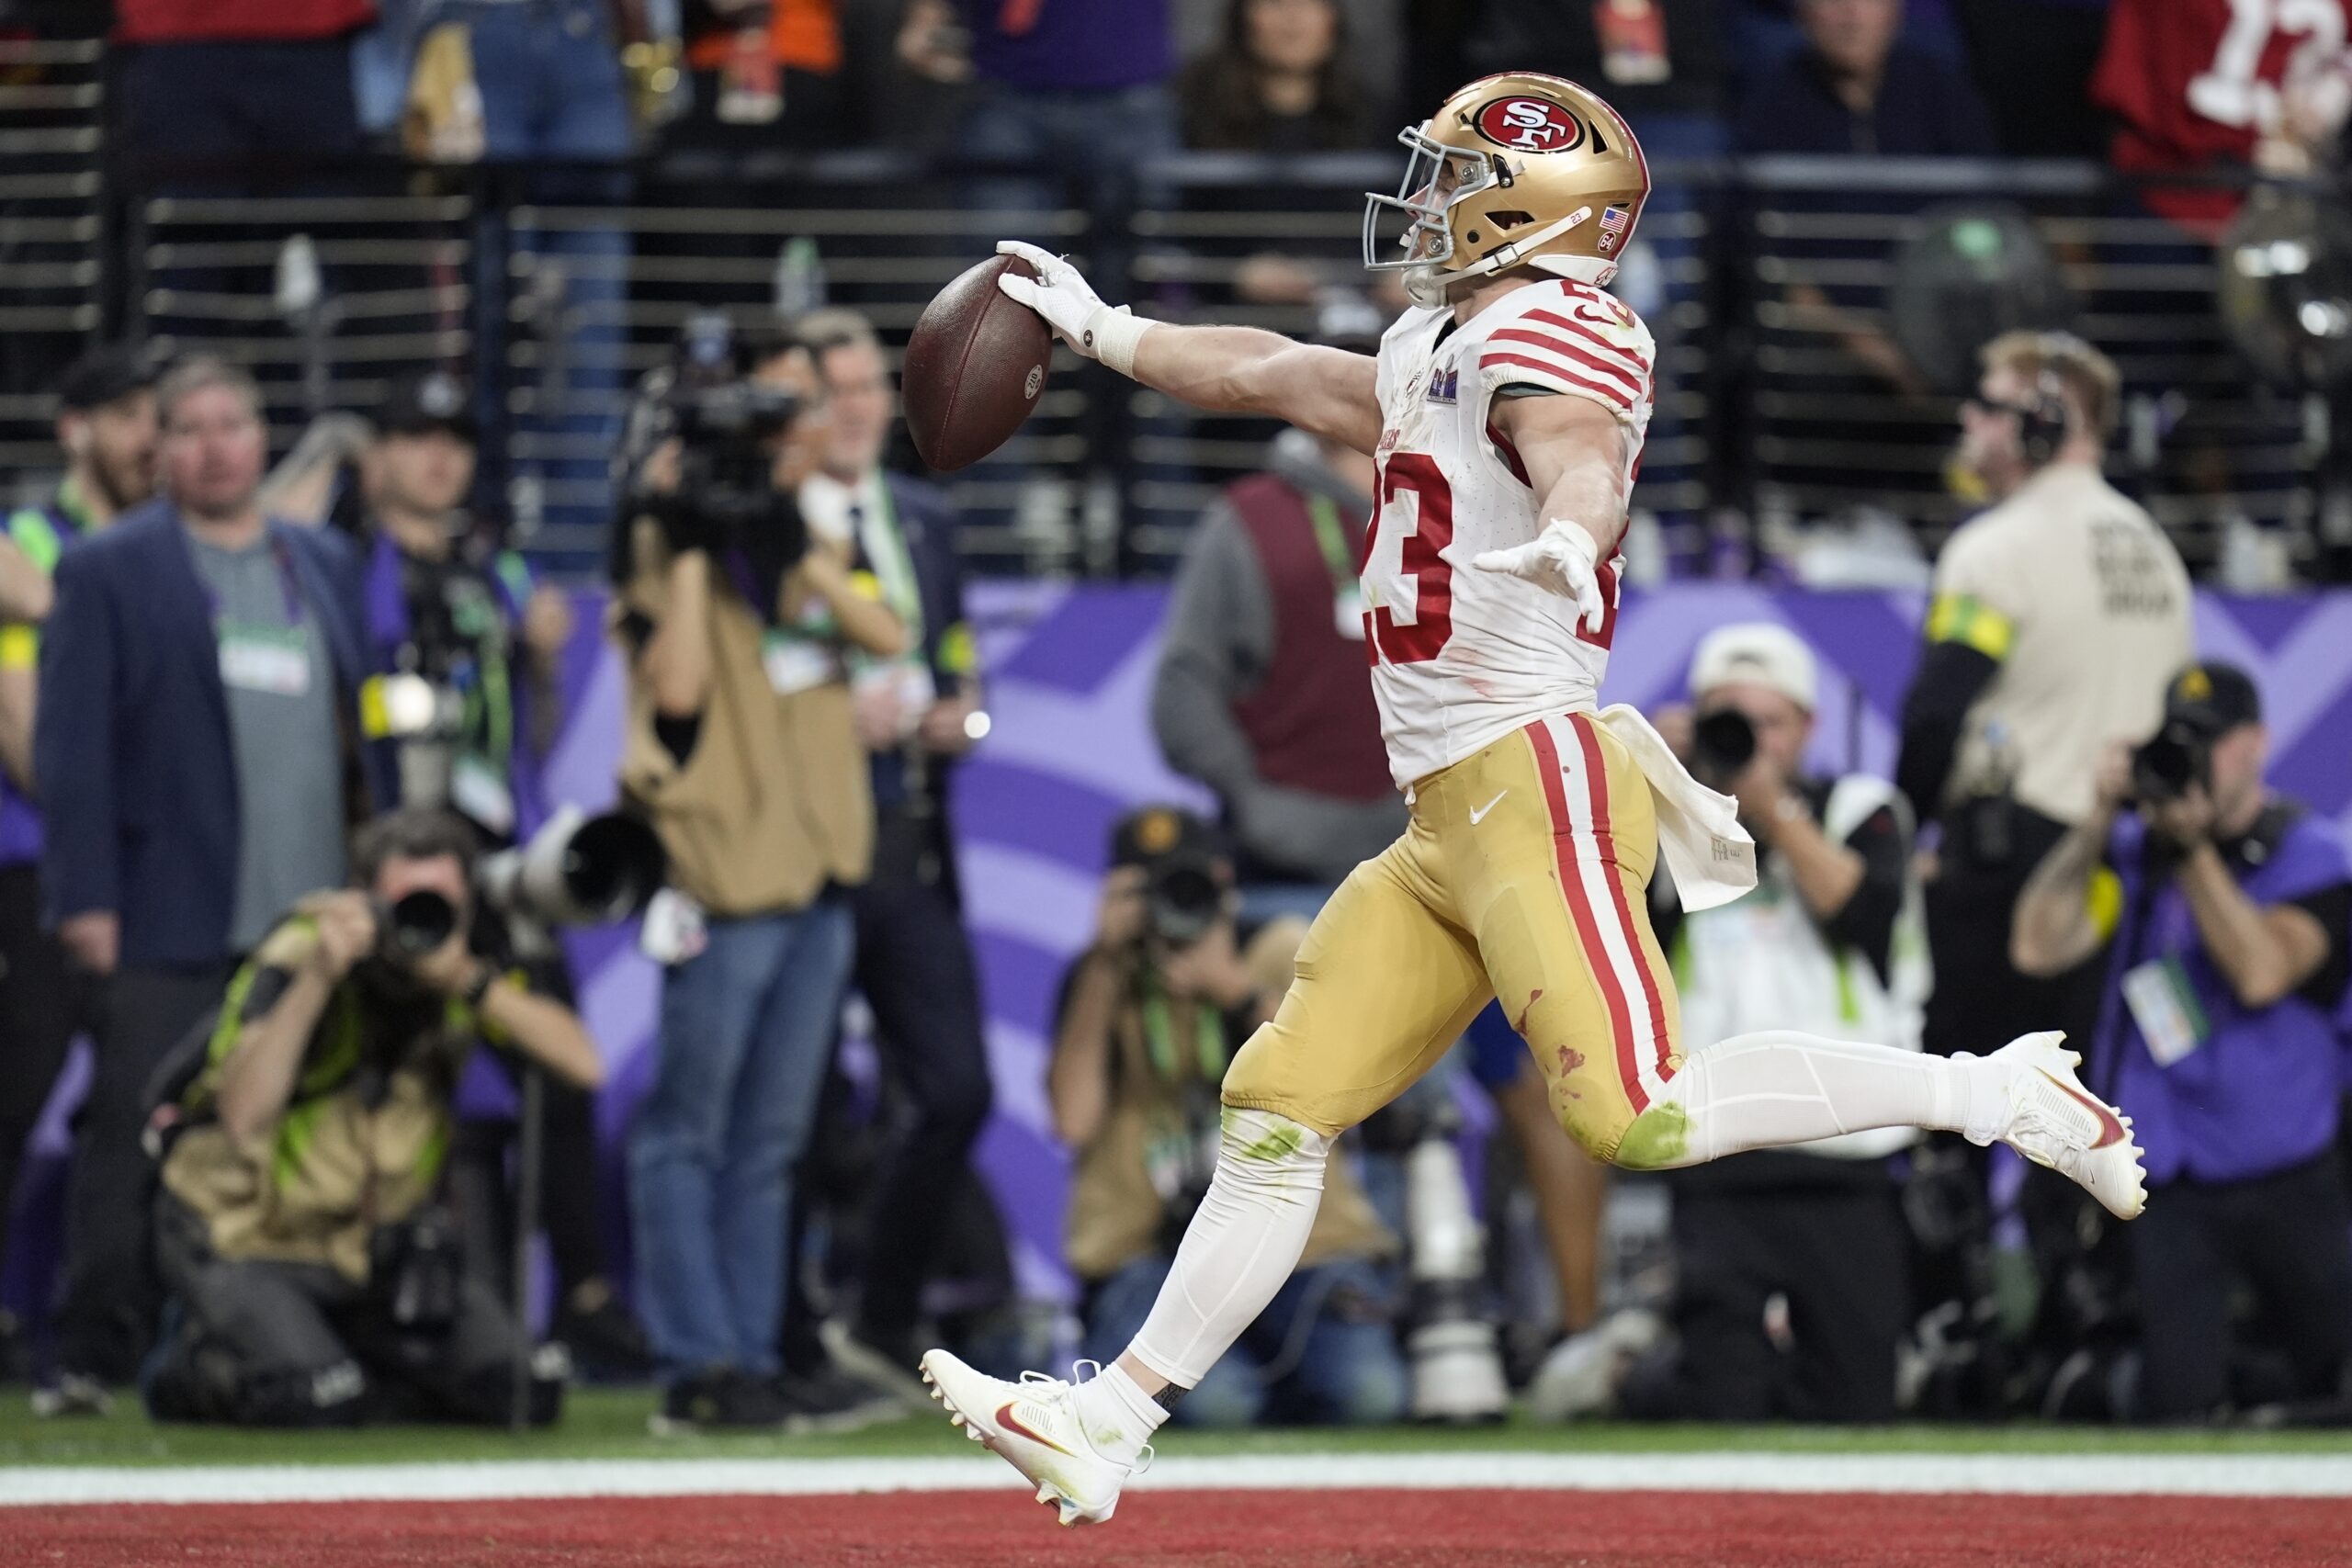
[[2168, 763], [1722, 745], [724, 422], [1183, 895]]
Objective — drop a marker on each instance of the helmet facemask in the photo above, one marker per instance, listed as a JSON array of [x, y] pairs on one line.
[[1436, 176]]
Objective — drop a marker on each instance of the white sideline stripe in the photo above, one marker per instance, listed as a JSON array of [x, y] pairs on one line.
[[2230, 1475]]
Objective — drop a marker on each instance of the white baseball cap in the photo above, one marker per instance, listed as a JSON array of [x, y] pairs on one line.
[[1761, 653]]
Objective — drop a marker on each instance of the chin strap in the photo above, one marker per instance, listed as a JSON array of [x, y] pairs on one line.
[[1432, 281]]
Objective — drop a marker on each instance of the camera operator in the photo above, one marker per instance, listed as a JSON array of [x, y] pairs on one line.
[[1830, 941], [2055, 616], [473, 645], [2224, 908], [316, 1281], [1149, 1017], [741, 752]]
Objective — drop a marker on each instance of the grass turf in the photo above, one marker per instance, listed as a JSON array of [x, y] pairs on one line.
[[611, 1424]]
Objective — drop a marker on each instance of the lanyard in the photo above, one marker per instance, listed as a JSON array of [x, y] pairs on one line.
[[893, 563], [287, 583], [1159, 1035], [1334, 541]]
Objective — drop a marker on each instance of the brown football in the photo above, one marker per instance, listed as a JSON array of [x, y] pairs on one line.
[[974, 367]]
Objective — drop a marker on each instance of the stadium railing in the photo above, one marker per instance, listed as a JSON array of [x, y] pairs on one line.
[[557, 286]]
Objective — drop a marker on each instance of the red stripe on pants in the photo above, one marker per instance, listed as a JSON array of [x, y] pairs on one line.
[[1599, 782], [1621, 1018]]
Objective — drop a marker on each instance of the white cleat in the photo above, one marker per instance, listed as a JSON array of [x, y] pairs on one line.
[[1034, 1426], [2054, 1121]]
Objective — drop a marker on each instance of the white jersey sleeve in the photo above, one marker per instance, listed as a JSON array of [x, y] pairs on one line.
[[1579, 341]]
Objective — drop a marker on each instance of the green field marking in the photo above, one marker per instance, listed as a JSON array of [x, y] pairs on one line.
[[610, 1424]]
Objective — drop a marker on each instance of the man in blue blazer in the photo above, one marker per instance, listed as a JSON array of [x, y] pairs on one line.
[[200, 761], [916, 715]]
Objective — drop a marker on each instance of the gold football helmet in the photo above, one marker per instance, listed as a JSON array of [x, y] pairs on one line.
[[1515, 170]]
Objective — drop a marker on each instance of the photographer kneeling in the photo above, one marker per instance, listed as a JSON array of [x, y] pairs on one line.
[[2226, 907], [315, 1281], [1150, 1015]]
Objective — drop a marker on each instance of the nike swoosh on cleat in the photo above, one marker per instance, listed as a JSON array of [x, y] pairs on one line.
[[1011, 1423], [1479, 815], [2111, 1131]]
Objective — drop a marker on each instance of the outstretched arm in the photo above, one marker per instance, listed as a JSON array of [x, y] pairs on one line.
[[1325, 391]]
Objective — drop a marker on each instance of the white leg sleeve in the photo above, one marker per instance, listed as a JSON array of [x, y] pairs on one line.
[[1242, 1243], [1777, 1087]]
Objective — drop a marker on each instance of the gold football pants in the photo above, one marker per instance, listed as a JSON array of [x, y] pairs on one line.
[[1523, 875]]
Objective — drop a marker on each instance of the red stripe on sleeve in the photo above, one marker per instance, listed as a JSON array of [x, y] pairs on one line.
[[1568, 351], [1598, 778], [1621, 1018], [1560, 373], [1578, 329]]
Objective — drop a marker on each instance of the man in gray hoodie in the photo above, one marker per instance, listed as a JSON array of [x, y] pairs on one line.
[[1262, 692]]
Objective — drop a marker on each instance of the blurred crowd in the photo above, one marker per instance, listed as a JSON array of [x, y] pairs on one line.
[[275, 837], [1094, 86], [1051, 114]]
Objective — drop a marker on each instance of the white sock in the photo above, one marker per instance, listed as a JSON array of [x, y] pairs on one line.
[[1117, 1415], [1777, 1087], [1244, 1240]]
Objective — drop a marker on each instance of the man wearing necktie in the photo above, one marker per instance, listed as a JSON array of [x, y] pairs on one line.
[[916, 714]]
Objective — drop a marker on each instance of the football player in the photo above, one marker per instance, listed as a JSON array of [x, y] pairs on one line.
[[1506, 409]]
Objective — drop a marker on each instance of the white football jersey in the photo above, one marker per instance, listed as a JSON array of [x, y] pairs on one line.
[[1462, 657]]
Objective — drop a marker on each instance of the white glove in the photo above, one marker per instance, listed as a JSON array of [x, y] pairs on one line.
[[1060, 293], [1562, 560]]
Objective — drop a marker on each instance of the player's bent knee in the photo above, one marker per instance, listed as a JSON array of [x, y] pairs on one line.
[[1266, 1145], [1658, 1139]]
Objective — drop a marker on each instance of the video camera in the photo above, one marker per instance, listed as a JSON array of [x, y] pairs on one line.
[[577, 870], [724, 424]]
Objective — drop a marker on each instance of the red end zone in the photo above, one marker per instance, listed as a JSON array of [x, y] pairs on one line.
[[1230, 1529]]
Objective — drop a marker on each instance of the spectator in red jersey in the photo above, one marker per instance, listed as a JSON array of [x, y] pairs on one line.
[[2205, 84], [207, 89]]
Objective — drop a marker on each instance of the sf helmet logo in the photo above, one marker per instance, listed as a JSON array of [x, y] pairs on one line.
[[1530, 125]]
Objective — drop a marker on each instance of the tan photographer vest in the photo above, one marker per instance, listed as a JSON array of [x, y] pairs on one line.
[[774, 801]]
